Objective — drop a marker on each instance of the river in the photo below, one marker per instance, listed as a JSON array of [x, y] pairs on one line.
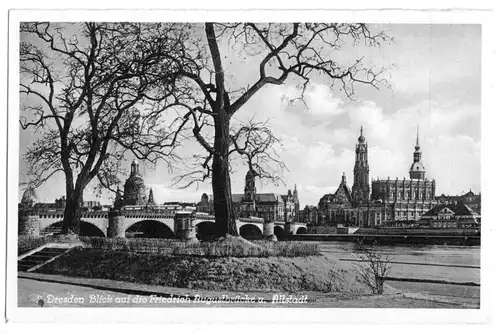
[[453, 264]]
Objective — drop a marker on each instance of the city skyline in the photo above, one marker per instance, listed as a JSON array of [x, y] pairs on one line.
[[195, 196], [436, 81]]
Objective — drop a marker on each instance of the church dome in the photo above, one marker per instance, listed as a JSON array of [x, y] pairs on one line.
[[361, 138], [29, 196], [134, 191], [417, 166]]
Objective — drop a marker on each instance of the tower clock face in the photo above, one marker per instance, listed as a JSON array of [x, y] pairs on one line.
[[250, 184]]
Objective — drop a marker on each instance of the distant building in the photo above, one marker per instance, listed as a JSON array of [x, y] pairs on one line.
[[335, 207], [134, 192], [29, 198], [389, 200], [204, 205], [471, 199], [269, 206], [451, 215], [91, 205], [311, 215], [179, 206]]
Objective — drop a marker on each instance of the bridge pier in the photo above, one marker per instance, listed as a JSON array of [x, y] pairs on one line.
[[29, 224], [269, 231], [184, 227], [290, 228], [116, 225]]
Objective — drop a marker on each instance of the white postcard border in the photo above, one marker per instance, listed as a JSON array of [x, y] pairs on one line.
[[265, 315]]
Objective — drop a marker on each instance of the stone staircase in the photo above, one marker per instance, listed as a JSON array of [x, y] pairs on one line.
[[40, 256]]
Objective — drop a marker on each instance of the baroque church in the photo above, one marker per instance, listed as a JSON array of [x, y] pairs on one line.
[[385, 200], [134, 191], [269, 206]]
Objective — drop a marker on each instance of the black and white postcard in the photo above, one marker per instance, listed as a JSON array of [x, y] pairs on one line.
[[184, 161]]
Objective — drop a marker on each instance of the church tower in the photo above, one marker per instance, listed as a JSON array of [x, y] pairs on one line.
[[296, 202], [250, 189], [417, 170], [118, 203], [151, 199], [361, 186]]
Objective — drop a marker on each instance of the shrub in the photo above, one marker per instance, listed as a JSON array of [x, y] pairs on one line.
[[224, 248], [374, 268], [335, 281]]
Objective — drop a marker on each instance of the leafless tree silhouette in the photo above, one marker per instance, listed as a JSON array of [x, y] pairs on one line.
[[374, 268], [87, 91], [206, 100]]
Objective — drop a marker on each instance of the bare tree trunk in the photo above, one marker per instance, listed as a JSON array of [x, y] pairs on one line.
[[72, 213], [225, 219], [379, 283]]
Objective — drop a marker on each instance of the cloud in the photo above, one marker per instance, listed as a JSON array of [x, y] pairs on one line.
[[321, 102]]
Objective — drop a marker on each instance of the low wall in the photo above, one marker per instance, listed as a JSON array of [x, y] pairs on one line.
[[419, 231], [394, 239], [322, 229]]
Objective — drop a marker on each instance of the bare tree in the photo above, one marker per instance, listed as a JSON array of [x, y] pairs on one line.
[[207, 101], [373, 269], [85, 90]]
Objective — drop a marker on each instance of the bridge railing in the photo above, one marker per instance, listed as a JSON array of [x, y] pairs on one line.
[[252, 220], [60, 214]]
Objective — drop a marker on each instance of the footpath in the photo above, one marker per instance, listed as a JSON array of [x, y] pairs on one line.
[[62, 291]]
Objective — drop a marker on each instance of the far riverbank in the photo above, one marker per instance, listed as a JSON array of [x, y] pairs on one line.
[[394, 239]]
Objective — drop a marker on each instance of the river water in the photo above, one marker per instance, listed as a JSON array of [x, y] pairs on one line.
[[453, 264]]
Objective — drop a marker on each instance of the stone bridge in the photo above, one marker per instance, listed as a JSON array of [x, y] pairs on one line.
[[183, 225]]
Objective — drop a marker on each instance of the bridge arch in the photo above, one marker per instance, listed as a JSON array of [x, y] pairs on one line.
[[87, 229], [149, 228], [250, 231], [279, 232], [206, 230], [301, 230]]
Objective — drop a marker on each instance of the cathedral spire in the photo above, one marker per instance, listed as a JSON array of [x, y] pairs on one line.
[[151, 200], [361, 138], [417, 147], [417, 169]]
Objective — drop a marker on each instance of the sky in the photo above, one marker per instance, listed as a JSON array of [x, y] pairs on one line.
[[435, 77]]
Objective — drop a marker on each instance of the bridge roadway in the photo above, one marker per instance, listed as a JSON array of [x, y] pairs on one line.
[[127, 219]]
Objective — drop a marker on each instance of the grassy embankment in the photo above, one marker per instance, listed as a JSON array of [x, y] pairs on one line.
[[231, 264], [27, 243]]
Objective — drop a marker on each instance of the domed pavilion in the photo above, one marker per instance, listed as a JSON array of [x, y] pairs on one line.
[[134, 189]]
